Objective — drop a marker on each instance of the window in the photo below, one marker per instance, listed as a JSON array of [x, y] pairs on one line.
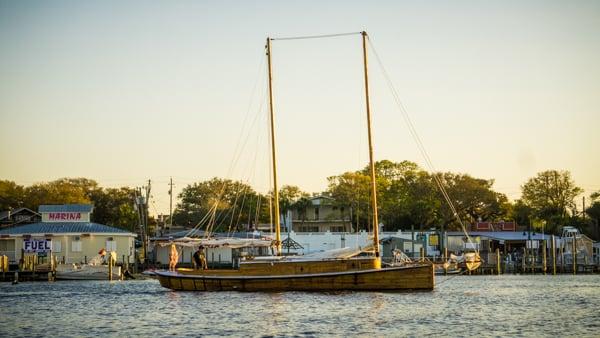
[[76, 244], [7, 245], [316, 213], [111, 245], [56, 245]]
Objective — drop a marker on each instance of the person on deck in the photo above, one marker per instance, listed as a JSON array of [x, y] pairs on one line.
[[102, 254], [200, 259], [173, 258]]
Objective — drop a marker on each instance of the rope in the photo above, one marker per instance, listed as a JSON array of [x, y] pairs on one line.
[[451, 277], [211, 216], [314, 36], [418, 141]]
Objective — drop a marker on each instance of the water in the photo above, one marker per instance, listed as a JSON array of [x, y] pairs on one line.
[[506, 305]]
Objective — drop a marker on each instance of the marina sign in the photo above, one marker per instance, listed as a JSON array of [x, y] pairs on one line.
[[65, 216], [37, 245]]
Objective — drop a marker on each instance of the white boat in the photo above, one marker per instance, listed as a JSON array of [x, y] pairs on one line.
[[86, 272], [94, 270]]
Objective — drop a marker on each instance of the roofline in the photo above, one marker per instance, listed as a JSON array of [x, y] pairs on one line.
[[44, 234]]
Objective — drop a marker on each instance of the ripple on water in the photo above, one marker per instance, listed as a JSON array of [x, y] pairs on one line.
[[465, 305]]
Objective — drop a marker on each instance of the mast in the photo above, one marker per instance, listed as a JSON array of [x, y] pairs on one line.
[[275, 189], [371, 160]]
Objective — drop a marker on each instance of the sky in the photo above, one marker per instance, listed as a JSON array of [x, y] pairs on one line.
[[127, 91]]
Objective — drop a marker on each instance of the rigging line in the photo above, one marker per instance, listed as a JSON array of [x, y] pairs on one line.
[[314, 36], [251, 168], [199, 224], [450, 278], [257, 210], [237, 151], [417, 139]]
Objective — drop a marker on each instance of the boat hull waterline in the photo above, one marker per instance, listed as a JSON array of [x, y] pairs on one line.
[[414, 277], [88, 273]]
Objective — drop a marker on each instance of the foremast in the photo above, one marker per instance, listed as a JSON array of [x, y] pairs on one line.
[[273, 155], [371, 157]]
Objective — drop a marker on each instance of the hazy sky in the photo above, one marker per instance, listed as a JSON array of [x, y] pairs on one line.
[[122, 92]]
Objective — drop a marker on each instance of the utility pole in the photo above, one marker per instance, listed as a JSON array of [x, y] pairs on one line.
[[171, 203], [583, 212], [146, 228], [139, 207]]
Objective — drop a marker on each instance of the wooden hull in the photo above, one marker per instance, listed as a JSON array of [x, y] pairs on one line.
[[415, 277]]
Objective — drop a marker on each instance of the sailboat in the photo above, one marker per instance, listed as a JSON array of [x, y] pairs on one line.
[[344, 270]]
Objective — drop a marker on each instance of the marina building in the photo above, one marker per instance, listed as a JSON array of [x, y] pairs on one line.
[[67, 233]]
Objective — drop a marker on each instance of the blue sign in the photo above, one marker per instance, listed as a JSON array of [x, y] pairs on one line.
[[37, 245]]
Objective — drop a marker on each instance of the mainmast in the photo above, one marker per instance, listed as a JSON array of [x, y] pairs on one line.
[[371, 160], [275, 189]]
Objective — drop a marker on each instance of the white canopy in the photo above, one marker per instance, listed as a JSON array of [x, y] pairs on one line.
[[234, 243]]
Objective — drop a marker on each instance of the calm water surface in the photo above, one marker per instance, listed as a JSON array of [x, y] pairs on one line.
[[460, 306]]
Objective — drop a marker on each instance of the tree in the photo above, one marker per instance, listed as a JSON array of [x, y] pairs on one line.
[[11, 195], [409, 196], [550, 194], [473, 199], [302, 205], [352, 189], [61, 191], [221, 204], [521, 213], [114, 206], [593, 211], [288, 195]]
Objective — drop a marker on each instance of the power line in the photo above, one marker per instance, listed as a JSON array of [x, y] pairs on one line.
[[314, 36]]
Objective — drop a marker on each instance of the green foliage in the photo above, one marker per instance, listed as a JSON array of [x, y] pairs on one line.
[[61, 191], [409, 196], [521, 213], [473, 199], [288, 195], [224, 204], [352, 189], [550, 195], [114, 206], [111, 206], [12, 195], [302, 205]]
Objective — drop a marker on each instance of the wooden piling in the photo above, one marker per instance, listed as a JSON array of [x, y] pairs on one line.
[[33, 264], [562, 255], [498, 270], [525, 258], [110, 268], [544, 257], [574, 254], [422, 254], [553, 245]]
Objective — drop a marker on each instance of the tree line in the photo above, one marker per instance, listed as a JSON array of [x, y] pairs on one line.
[[112, 206], [408, 197]]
